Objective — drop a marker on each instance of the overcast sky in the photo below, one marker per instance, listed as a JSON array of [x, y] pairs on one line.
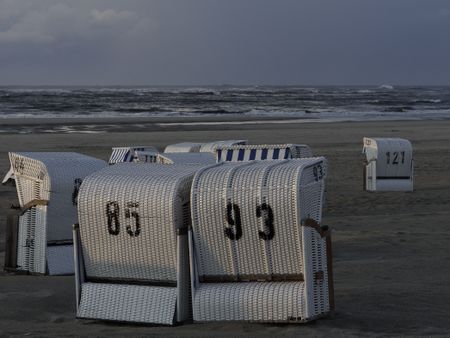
[[176, 42]]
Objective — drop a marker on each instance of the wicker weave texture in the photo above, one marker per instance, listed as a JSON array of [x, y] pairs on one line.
[[177, 158], [255, 231], [253, 301], [31, 246], [389, 164], [130, 303], [53, 177], [211, 147], [129, 215], [23, 248], [315, 262], [183, 147]]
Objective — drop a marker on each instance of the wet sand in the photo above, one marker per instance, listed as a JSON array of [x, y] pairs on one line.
[[391, 249]]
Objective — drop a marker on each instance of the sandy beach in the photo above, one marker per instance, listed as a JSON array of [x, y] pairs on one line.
[[391, 250]]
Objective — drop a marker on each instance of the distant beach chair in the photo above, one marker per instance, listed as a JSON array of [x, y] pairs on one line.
[[40, 236], [183, 147], [389, 164], [195, 147], [253, 152], [132, 261], [127, 154], [211, 147], [257, 250], [175, 158]]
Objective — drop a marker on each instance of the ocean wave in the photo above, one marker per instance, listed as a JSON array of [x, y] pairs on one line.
[[386, 86], [427, 101], [198, 91]]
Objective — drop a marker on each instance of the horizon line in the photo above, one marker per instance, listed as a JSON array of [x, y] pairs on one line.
[[226, 85]]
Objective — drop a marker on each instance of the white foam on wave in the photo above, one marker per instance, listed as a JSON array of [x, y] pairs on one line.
[[198, 90], [427, 101], [386, 86], [288, 121], [316, 113]]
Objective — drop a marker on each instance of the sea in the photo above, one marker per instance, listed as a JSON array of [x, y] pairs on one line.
[[319, 103]]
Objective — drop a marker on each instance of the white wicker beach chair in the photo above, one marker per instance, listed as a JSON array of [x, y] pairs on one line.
[[183, 147], [256, 248], [47, 186], [132, 261], [388, 165], [212, 146], [128, 154], [195, 147], [252, 152], [176, 158]]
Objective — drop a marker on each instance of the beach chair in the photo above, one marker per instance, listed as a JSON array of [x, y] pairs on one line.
[[257, 250], [176, 158], [195, 147], [40, 233], [388, 165], [132, 262], [211, 147], [251, 152], [128, 154], [183, 147]]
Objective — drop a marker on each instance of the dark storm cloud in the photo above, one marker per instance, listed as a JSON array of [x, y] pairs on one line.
[[233, 41]]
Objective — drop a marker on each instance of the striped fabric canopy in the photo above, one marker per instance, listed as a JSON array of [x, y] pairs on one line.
[[243, 154], [126, 154]]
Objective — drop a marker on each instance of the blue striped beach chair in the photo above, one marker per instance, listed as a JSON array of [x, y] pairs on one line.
[[211, 147], [127, 154], [252, 152], [195, 147]]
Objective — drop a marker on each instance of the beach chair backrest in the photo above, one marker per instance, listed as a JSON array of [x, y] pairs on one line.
[[255, 231], [183, 147], [211, 147], [240, 153], [129, 215], [145, 156], [393, 156], [388, 164], [55, 177], [176, 158]]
